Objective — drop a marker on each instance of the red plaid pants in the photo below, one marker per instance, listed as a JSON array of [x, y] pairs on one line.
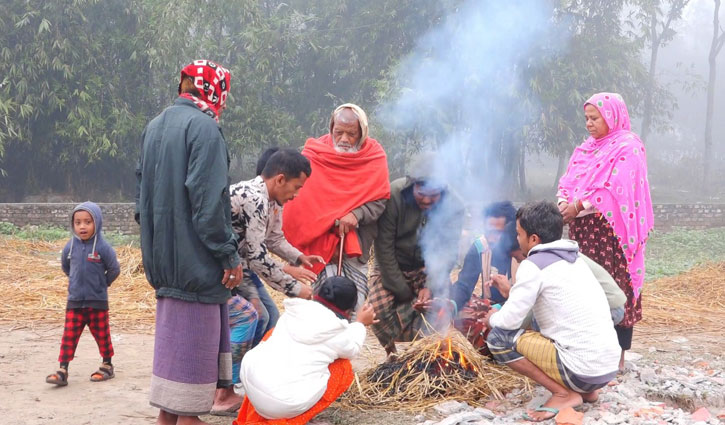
[[75, 320]]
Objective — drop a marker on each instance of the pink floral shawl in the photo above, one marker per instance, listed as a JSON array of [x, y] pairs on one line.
[[611, 173]]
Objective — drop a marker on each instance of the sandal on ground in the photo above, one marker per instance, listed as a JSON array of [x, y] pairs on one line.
[[59, 378], [232, 411], [554, 411], [104, 373]]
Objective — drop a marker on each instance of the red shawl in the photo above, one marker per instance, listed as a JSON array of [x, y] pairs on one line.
[[340, 182]]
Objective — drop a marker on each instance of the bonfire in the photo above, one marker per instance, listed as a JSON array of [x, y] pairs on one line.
[[434, 368]]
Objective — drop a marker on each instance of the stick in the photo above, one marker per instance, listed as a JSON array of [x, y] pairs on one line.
[[339, 260]]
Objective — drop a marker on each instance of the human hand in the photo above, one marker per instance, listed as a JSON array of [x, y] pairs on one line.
[[347, 223], [300, 274], [562, 206], [308, 260], [305, 292], [232, 277], [570, 212], [501, 283], [421, 302], [366, 315], [487, 318]]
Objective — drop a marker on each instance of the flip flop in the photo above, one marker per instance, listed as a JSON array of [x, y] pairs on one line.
[[232, 411], [542, 408]]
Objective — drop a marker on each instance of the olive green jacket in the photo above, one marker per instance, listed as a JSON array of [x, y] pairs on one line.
[[398, 245]]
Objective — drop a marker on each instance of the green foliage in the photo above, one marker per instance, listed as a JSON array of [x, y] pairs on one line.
[[120, 239], [675, 252], [7, 229], [55, 233], [81, 78], [34, 233]]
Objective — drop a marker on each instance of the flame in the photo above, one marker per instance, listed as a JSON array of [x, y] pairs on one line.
[[448, 354], [462, 359]]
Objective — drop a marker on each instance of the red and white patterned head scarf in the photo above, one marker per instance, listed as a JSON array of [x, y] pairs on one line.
[[212, 81]]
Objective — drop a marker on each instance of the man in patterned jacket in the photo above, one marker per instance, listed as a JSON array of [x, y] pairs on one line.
[[252, 202]]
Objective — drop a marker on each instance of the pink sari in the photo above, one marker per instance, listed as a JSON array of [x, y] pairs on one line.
[[611, 174]]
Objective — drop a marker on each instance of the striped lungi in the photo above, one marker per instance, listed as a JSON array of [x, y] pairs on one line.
[[192, 355], [398, 322], [511, 345]]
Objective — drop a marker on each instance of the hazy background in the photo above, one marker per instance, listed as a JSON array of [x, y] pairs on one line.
[[497, 88]]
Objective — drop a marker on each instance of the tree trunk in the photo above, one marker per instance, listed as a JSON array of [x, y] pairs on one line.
[[522, 170], [560, 168], [647, 116], [710, 99]]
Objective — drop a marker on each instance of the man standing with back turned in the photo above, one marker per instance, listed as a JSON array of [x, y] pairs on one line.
[[189, 248]]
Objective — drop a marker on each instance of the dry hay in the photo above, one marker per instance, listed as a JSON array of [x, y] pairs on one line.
[[416, 381], [692, 301], [35, 289]]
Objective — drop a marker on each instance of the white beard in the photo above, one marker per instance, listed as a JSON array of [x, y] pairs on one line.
[[346, 149]]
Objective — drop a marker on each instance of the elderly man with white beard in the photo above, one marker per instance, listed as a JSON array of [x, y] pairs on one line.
[[336, 212]]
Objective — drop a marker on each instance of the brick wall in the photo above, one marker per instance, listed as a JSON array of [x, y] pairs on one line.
[[116, 216], [691, 216], [119, 216]]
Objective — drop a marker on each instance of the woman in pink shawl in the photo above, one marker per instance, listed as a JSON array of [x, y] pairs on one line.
[[604, 197]]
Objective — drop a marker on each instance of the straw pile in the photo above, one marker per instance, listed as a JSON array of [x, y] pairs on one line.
[[35, 289], [424, 376], [693, 301]]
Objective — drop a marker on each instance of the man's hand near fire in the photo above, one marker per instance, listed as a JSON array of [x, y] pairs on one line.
[[366, 315], [347, 223], [300, 274], [309, 260], [422, 303], [500, 282], [488, 317]]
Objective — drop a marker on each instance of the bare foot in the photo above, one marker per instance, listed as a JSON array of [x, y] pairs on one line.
[[557, 401], [590, 397], [226, 400], [621, 362], [190, 420], [166, 418]]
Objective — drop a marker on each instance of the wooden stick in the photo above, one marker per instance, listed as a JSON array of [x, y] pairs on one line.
[[339, 260]]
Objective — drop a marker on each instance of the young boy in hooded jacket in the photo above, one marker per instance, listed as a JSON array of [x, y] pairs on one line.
[[91, 266]]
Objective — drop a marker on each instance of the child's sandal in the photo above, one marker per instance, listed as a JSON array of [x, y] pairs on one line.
[[104, 373], [59, 378]]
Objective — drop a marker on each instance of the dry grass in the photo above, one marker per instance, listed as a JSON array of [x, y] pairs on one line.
[[418, 382], [35, 289], [693, 301]]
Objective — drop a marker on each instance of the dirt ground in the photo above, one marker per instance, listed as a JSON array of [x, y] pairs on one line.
[[28, 354]]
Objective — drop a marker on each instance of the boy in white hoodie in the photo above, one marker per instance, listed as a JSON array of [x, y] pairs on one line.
[[575, 352], [302, 367]]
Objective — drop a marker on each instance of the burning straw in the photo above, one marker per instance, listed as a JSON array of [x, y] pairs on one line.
[[434, 368]]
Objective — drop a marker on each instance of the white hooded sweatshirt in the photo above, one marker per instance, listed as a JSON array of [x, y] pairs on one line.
[[287, 374]]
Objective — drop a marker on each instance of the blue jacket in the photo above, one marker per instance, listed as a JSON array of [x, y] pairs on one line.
[[91, 265]]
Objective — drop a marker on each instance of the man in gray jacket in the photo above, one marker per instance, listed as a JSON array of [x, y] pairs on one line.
[[189, 248]]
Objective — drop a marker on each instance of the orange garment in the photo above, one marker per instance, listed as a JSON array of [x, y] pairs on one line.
[[341, 376], [339, 183]]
